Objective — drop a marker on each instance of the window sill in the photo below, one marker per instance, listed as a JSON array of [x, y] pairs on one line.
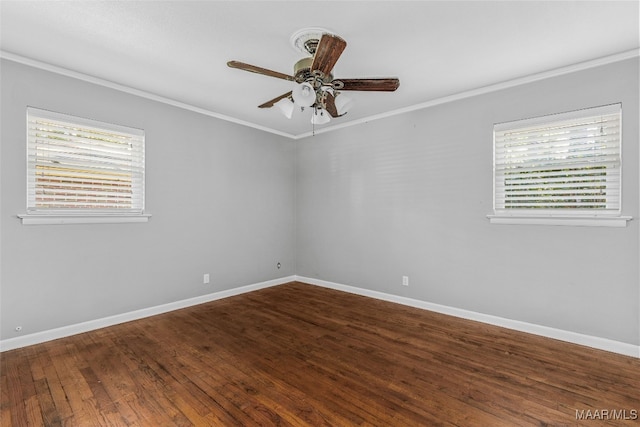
[[28, 219], [583, 221]]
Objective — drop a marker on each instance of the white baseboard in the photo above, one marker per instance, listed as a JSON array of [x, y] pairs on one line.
[[545, 331], [65, 331]]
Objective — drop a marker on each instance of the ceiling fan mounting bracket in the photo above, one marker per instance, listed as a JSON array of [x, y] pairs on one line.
[[311, 45]]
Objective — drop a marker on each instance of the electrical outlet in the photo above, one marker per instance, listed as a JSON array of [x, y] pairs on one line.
[[205, 278], [405, 280], [279, 265]]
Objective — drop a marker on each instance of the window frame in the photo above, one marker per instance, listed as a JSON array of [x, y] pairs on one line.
[[558, 216], [81, 214]]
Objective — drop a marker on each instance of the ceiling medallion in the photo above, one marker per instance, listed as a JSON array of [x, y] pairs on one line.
[[306, 40]]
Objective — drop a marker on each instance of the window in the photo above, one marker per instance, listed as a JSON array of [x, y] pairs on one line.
[[565, 166], [80, 168]]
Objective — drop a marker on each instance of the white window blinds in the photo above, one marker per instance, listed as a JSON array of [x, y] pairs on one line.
[[562, 164], [81, 166]]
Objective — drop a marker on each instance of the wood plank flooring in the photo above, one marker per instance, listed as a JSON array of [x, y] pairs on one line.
[[301, 355]]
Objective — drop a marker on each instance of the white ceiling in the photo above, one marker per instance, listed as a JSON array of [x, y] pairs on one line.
[[179, 49]]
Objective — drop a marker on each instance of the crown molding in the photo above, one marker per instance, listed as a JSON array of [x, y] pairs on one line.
[[133, 91], [622, 56], [633, 53]]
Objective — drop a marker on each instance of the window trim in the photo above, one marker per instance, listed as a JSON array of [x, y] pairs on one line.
[[79, 215], [586, 217], [51, 219], [582, 220]]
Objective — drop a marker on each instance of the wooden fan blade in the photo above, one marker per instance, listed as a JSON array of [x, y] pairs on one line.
[[271, 103], [328, 51], [259, 70], [382, 85], [330, 105]]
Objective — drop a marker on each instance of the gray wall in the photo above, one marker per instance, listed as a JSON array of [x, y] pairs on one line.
[[221, 196], [409, 195], [362, 206]]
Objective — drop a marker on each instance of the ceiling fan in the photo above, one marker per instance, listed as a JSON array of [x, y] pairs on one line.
[[315, 85]]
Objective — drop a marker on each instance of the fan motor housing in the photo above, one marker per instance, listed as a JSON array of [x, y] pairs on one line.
[[302, 69], [302, 72]]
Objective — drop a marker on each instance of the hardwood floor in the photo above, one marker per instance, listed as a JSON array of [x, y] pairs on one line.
[[302, 355]]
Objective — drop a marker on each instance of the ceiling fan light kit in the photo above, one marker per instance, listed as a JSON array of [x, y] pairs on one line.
[[315, 85]]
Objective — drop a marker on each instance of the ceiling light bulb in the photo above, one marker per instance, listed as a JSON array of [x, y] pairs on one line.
[[304, 95]]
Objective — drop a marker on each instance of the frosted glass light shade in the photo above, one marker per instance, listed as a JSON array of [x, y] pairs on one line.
[[286, 107], [320, 117], [304, 95], [343, 104]]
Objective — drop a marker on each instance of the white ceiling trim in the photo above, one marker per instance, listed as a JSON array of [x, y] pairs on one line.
[[487, 89], [443, 100], [133, 91]]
